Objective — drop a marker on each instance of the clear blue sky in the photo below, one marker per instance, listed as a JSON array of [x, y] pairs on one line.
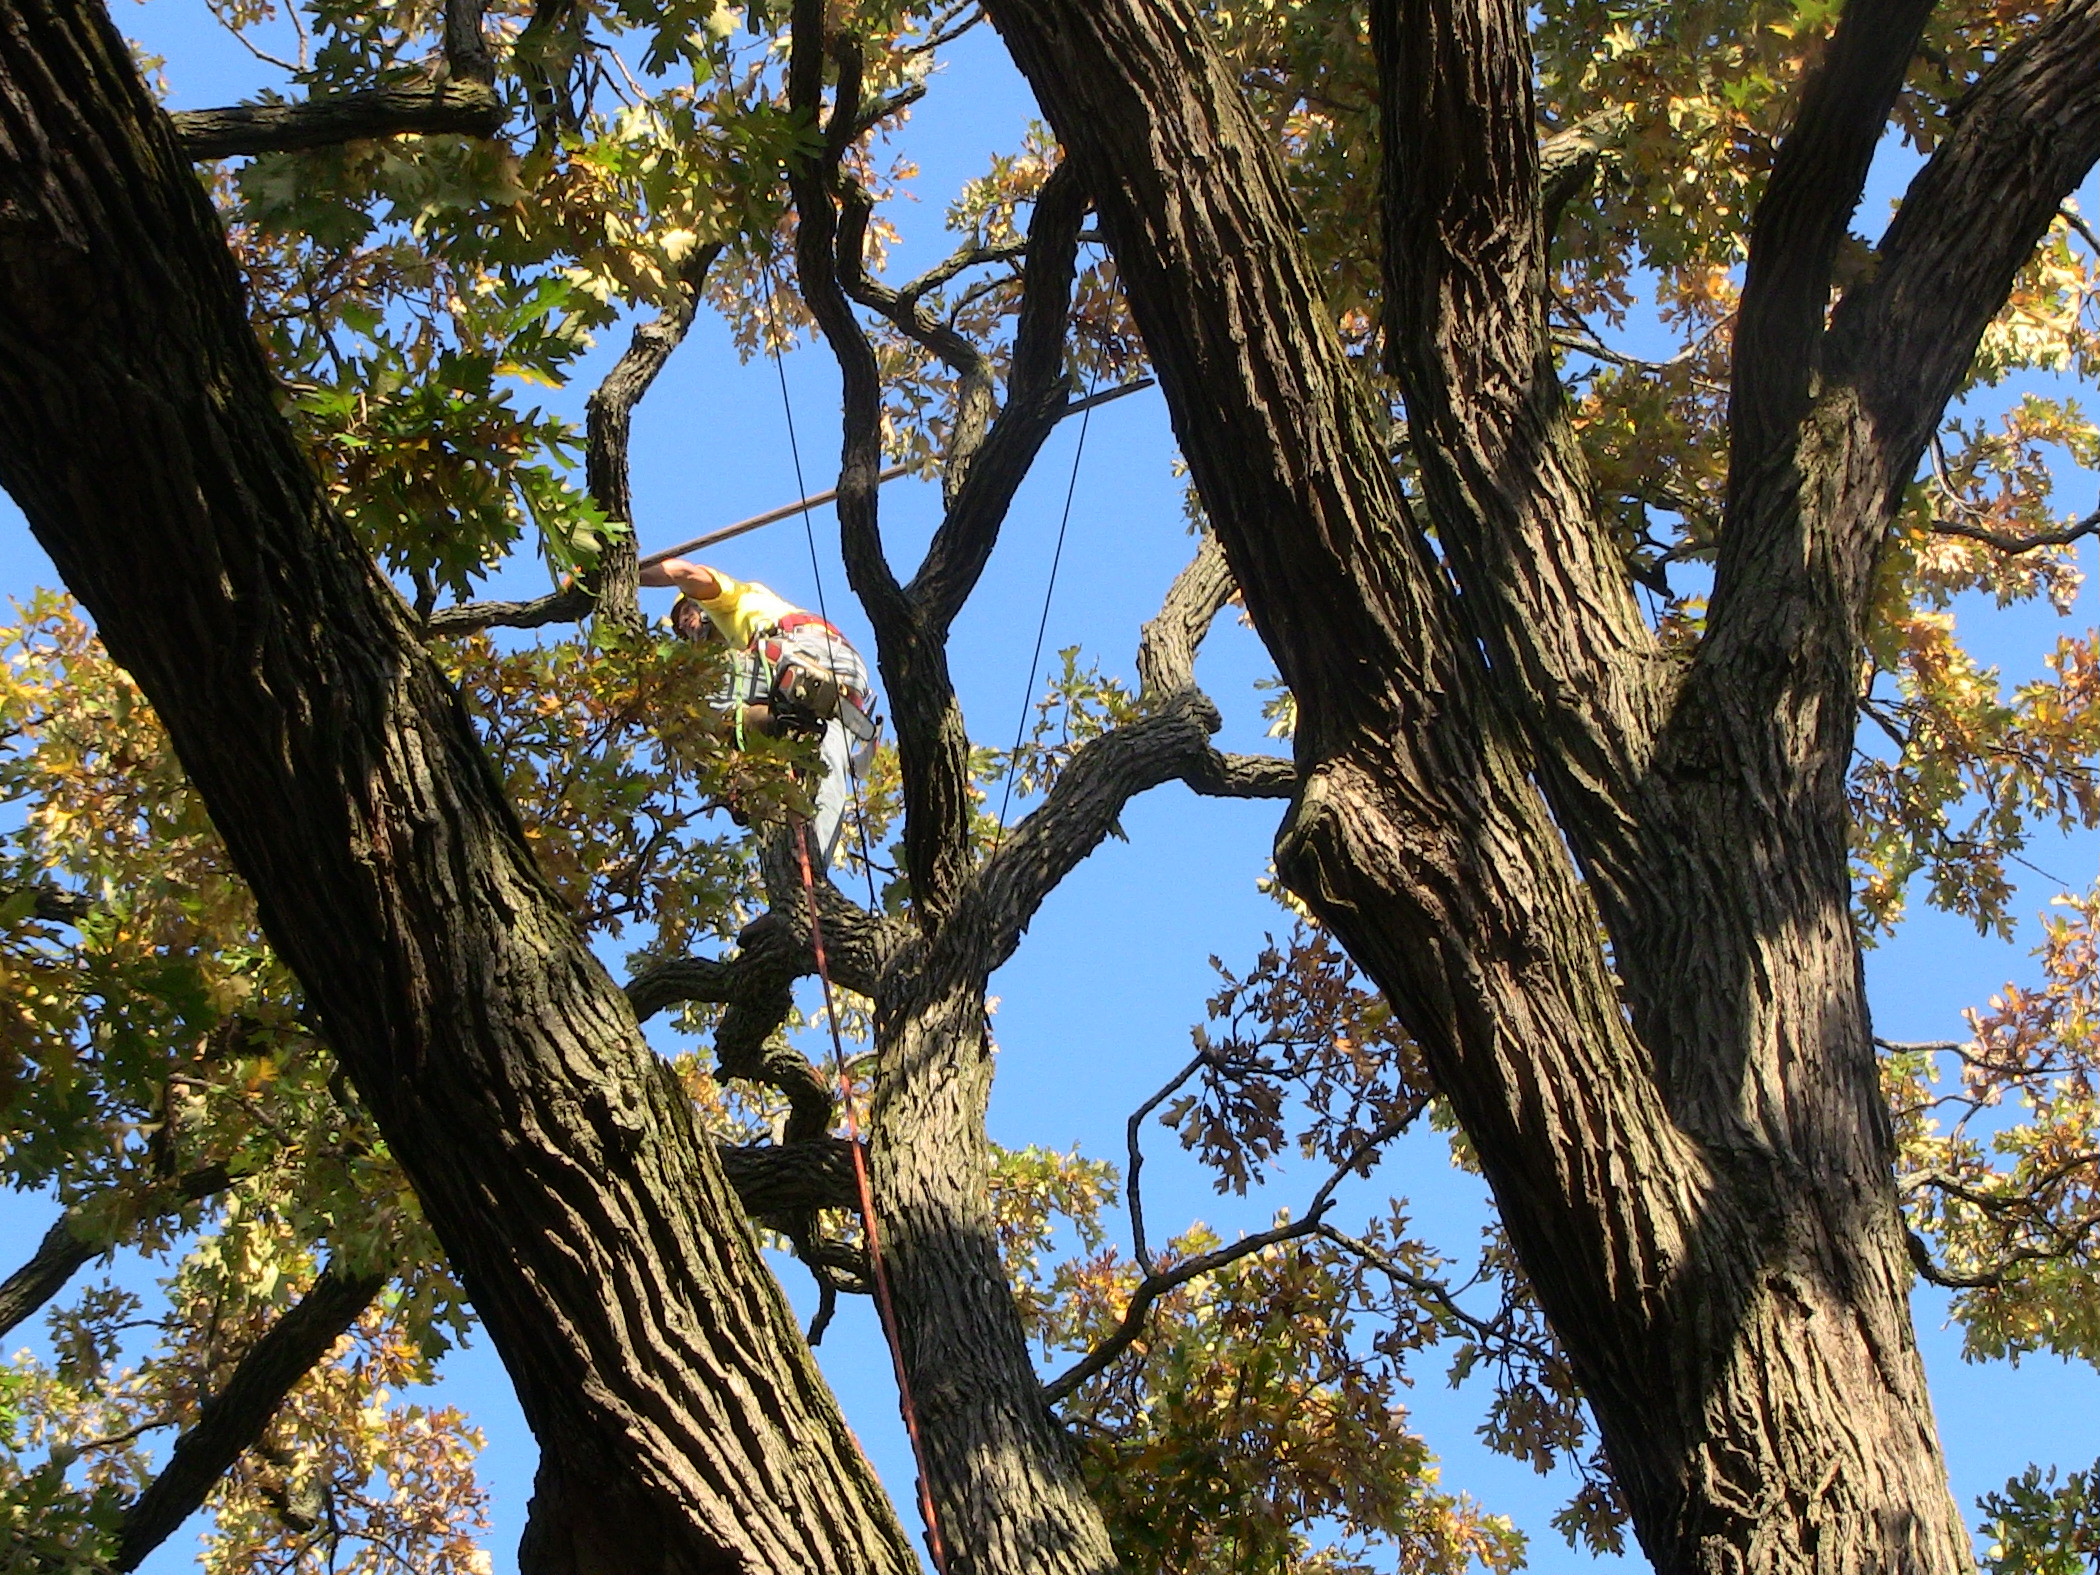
[[1095, 1010]]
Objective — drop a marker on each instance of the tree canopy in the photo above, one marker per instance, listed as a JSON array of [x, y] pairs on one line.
[[1602, 479]]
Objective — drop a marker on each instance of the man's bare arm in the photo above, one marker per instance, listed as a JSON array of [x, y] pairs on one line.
[[694, 579]]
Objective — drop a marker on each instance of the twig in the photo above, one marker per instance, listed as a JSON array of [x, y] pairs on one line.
[[1434, 1291], [1131, 1192]]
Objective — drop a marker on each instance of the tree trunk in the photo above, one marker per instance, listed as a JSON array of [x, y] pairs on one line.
[[1005, 1485], [1699, 1191], [654, 1355]]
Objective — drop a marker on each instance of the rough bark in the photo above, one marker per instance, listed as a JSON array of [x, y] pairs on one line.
[[616, 581], [653, 1354], [1700, 1195], [1008, 1490], [468, 107]]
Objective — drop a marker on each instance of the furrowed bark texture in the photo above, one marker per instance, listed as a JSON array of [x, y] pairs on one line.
[[1008, 1492], [1005, 1486], [1697, 1181], [682, 1422]]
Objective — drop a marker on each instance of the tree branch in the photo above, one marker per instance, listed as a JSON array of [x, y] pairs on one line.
[[983, 477], [2016, 544], [1133, 1196], [608, 414], [1438, 1294], [1081, 808], [781, 1179], [609, 590], [469, 108], [1546, 586], [1167, 645], [466, 46], [563, 606], [64, 1251], [54, 904], [1816, 182], [1568, 163], [2028, 134], [234, 1418], [1219, 775], [499, 1061]]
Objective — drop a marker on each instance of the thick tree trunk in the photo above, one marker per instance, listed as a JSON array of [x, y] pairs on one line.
[[1005, 1485], [654, 1355], [1700, 1195]]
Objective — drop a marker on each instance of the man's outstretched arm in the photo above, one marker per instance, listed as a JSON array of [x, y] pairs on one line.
[[694, 579]]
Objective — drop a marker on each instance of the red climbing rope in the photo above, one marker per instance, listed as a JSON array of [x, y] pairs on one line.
[[885, 1308]]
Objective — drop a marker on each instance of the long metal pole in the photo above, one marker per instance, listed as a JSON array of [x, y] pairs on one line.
[[815, 499]]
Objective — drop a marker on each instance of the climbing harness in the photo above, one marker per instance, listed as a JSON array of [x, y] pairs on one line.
[[878, 1271]]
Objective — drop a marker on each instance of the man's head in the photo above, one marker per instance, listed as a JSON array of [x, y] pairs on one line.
[[690, 621]]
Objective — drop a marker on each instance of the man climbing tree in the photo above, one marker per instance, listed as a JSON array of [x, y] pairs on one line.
[[793, 673]]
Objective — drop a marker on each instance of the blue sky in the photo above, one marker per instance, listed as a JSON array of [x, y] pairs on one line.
[[1095, 1009]]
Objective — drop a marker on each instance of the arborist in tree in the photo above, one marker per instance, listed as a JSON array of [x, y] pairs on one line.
[[793, 674]]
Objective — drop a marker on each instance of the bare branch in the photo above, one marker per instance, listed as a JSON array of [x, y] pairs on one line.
[[469, 108], [984, 481], [466, 46], [616, 580], [1133, 1197], [1990, 1279], [58, 1257], [1081, 808], [958, 262], [1154, 1286], [2078, 226], [1219, 775], [2017, 544], [1971, 218], [1167, 645], [234, 1418], [563, 606], [780, 1179], [974, 401], [1568, 162]]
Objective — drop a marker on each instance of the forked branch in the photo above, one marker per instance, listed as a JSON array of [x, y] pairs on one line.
[[1817, 178], [985, 480]]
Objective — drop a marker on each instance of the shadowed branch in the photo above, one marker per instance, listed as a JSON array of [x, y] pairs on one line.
[[468, 108], [234, 1418], [65, 1250]]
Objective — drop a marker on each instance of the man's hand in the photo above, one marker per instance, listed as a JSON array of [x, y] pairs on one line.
[[696, 580]]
